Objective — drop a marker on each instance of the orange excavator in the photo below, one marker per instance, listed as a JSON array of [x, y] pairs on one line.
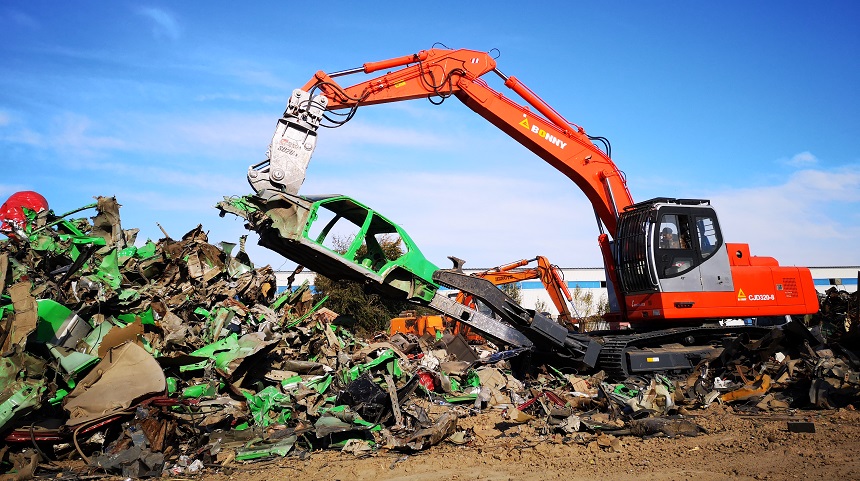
[[653, 285], [549, 275]]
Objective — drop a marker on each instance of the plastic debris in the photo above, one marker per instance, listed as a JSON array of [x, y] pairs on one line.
[[171, 357]]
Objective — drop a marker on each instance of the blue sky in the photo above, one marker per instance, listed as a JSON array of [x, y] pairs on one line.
[[753, 105]]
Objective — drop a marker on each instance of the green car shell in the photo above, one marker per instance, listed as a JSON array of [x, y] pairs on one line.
[[339, 237]]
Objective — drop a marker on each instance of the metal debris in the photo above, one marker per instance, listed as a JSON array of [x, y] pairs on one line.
[[176, 357]]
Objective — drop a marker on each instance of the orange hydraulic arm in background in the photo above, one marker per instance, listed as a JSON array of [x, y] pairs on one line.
[[548, 274], [440, 73]]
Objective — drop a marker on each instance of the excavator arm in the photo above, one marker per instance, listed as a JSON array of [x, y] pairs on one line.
[[437, 74]]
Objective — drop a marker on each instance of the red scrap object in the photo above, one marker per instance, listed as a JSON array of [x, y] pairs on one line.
[[426, 379], [12, 215], [528, 403], [166, 401], [553, 397], [23, 435]]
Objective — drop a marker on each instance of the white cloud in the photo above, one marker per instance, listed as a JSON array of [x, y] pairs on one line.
[[23, 136], [74, 132], [811, 219], [217, 130], [803, 159], [253, 75], [164, 25], [209, 134], [425, 111], [837, 185], [375, 140], [266, 99], [67, 132], [486, 219], [213, 135], [364, 133], [173, 182]]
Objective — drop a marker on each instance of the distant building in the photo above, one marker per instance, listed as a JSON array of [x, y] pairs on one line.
[[588, 282]]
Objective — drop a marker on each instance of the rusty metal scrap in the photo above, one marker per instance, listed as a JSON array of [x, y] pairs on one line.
[[177, 356]]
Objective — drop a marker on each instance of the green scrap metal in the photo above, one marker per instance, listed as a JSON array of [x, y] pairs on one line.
[[72, 362], [19, 398], [108, 270], [58, 323], [460, 398], [198, 391], [290, 297], [145, 251], [320, 384], [306, 315], [347, 415], [58, 397], [227, 353], [281, 448], [269, 406], [21, 387], [146, 317], [388, 358]]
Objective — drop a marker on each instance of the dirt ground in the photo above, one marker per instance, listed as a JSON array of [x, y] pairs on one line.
[[737, 447]]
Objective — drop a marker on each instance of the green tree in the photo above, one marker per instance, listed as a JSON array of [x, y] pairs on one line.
[[371, 311], [541, 306], [588, 309], [513, 290]]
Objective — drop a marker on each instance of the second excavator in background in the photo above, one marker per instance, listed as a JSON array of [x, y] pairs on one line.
[[515, 272], [549, 275]]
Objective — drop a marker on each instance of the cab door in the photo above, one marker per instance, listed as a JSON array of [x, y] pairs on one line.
[[715, 271], [690, 255], [676, 257]]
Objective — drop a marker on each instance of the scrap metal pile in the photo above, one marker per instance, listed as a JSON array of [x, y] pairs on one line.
[[179, 356]]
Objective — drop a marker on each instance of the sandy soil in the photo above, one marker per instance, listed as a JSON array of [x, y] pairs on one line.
[[737, 447]]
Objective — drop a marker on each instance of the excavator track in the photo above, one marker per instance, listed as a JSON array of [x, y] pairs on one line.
[[612, 357], [615, 360]]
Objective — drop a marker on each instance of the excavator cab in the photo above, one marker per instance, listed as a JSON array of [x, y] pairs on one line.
[[672, 245], [673, 264]]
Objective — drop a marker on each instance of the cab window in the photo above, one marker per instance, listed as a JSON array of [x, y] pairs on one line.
[[676, 254], [707, 234]]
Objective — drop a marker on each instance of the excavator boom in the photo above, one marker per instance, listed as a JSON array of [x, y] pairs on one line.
[[439, 74]]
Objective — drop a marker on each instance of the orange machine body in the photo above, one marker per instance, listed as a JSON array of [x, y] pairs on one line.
[[408, 322]]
